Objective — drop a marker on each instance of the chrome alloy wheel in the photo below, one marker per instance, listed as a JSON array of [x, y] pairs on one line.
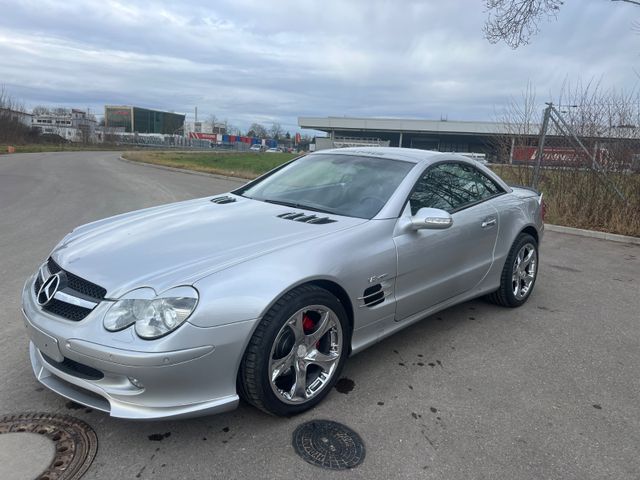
[[305, 354], [524, 271]]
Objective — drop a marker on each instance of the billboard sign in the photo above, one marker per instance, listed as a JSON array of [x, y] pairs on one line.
[[556, 156], [204, 136]]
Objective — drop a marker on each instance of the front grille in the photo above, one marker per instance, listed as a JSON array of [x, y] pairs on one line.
[[78, 284], [67, 310], [53, 266], [74, 286], [37, 284], [71, 367]]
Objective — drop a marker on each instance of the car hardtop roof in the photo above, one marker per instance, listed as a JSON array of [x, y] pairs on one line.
[[412, 155]]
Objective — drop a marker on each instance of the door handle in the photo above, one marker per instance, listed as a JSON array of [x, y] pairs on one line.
[[489, 222]]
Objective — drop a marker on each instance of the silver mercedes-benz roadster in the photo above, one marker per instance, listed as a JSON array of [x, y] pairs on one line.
[[263, 292]]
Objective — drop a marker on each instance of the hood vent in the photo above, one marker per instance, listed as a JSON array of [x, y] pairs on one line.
[[223, 200], [303, 217]]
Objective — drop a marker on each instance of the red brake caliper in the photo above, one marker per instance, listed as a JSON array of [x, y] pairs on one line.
[[307, 326]]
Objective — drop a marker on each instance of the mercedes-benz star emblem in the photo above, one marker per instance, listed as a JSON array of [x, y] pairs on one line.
[[48, 289]]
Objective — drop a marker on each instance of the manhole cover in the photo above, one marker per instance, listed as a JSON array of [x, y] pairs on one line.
[[328, 444], [75, 442]]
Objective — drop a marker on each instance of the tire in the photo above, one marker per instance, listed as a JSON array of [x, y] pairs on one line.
[[296, 353], [517, 280]]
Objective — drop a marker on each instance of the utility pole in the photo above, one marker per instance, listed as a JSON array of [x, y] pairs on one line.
[[543, 136], [551, 113], [513, 145]]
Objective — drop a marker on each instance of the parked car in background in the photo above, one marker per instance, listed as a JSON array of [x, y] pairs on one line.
[[274, 150], [263, 292], [256, 147]]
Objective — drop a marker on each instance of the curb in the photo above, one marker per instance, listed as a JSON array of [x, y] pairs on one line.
[[184, 170], [612, 237]]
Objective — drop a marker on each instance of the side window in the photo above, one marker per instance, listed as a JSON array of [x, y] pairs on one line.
[[450, 187]]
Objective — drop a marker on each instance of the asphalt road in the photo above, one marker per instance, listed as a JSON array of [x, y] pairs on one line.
[[550, 390]]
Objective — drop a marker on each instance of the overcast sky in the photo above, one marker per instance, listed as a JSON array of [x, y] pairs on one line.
[[257, 60]]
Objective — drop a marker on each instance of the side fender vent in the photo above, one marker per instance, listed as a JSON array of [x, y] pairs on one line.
[[373, 295], [223, 200], [302, 217]]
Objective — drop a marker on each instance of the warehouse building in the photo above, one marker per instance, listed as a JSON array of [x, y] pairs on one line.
[[131, 119], [439, 135]]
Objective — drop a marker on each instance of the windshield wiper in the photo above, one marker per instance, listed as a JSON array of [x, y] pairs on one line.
[[296, 205]]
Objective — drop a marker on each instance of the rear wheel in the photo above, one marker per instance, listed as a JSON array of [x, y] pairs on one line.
[[519, 273], [296, 353]]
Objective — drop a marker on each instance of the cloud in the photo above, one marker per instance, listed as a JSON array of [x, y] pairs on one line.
[[249, 60]]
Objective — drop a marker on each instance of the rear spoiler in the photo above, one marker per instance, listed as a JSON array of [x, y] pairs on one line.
[[531, 189], [537, 192]]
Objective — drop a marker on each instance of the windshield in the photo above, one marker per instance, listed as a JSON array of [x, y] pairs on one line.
[[341, 184]]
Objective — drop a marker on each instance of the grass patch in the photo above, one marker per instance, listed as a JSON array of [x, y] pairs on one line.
[[236, 164]]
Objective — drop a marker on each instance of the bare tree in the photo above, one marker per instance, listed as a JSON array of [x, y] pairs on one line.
[[14, 127], [516, 21], [41, 110], [214, 123], [232, 129], [225, 127], [258, 130], [520, 120], [60, 111], [606, 122], [275, 130]]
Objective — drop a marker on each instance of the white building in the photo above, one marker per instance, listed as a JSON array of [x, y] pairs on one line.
[[197, 126], [74, 125], [203, 126]]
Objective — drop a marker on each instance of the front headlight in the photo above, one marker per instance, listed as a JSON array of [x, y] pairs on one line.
[[153, 316]]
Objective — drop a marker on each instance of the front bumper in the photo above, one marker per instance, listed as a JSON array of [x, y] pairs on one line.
[[192, 374]]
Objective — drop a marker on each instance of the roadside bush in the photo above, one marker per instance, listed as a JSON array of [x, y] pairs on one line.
[[578, 198]]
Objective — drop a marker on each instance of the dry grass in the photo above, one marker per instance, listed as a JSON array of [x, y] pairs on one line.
[[578, 198]]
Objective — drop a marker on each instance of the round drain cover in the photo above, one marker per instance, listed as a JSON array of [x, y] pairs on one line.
[[328, 444], [75, 442]]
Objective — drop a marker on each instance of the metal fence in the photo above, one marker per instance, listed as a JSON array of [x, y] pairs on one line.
[[173, 141]]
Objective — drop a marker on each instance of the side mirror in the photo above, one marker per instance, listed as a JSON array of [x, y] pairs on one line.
[[432, 219]]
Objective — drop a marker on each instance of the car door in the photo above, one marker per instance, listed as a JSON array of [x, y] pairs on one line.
[[435, 265]]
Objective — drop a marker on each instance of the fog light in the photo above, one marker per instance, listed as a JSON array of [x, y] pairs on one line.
[[136, 382]]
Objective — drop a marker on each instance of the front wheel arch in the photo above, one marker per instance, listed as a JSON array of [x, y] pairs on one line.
[[342, 296], [248, 376], [332, 287]]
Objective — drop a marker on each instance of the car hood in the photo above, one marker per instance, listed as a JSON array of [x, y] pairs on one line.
[[177, 244]]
